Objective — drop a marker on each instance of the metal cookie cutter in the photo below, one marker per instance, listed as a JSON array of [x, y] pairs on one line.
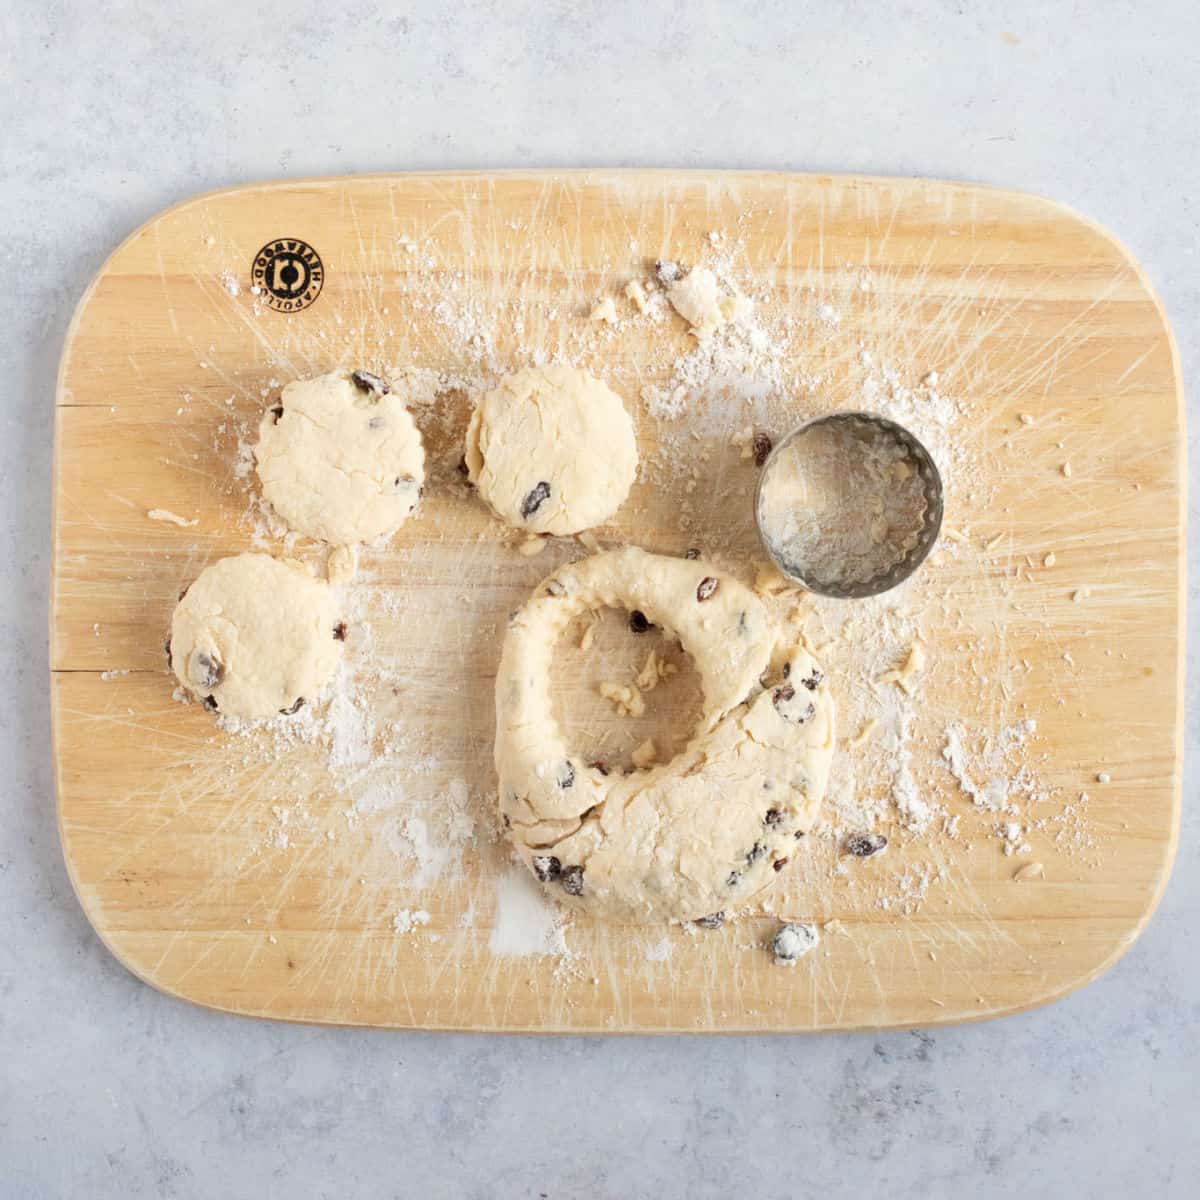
[[872, 434]]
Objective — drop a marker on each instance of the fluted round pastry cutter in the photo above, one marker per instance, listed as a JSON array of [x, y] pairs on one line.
[[901, 552]]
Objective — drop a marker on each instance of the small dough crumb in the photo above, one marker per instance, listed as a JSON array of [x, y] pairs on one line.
[[605, 310], [628, 700], [589, 634], [697, 299], [645, 754], [648, 676], [635, 293], [165, 514], [905, 677], [793, 942]]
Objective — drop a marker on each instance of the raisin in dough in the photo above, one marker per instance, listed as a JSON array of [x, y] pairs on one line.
[[705, 832], [340, 459], [254, 636], [551, 450]]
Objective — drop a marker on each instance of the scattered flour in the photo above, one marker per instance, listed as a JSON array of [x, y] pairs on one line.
[[406, 920], [660, 951], [996, 761], [526, 923]]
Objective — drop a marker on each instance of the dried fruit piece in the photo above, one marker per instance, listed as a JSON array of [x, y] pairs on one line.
[[295, 708], [535, 499], [210, 702], [572, 880], [782, 698], [761, 448], [369, 382], [780, 863], [546, 867], [462, 468], [566, 776], [712, 921], [277, 412], [638, 622], [339, 631], [707, 587], [774, 817], [863, 845], [755, 853], [812, 681], [204, 671]]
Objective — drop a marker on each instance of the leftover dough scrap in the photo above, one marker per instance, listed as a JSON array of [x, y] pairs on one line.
[[714, 826]]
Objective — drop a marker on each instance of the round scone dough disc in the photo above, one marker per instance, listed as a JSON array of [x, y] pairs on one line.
[[340, 459], [254, 636], [552, 450], [705, 832]]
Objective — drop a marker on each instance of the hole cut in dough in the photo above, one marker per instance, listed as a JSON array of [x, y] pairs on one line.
[[586, 681]]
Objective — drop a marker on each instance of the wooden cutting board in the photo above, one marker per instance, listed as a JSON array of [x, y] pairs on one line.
[[247, 876]]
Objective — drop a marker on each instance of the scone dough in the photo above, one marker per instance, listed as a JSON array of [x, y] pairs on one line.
[[551, 450], [254, 636], [705, 832], [340, 459]]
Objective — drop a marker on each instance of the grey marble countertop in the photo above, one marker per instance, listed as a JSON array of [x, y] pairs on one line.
[[108, 1089]]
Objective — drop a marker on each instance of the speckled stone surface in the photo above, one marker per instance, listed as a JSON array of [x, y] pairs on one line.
[[108, 1089]]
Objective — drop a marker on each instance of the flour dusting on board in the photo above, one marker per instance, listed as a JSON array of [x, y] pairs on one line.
[[525, 922], [404, 808]]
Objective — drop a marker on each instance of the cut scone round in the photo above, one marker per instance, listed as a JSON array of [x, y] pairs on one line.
[[340, 459], [254, 636], [552, 450]]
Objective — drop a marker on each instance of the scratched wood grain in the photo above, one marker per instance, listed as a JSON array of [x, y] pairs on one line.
[[168, 827]]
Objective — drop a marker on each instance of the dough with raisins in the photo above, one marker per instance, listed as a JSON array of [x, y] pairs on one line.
[[552, 450], [340, 459], [254, 636], [705, 832]]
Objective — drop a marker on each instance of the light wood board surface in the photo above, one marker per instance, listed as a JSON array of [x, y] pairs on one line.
[[247, 874]]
